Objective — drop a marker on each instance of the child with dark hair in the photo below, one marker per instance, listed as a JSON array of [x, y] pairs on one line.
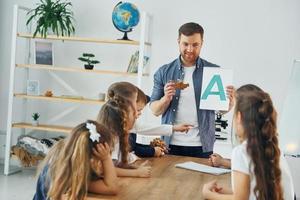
[[119, 115], [146, 129], [140, 149], [259, 170]]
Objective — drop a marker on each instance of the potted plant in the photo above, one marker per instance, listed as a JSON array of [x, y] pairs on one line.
[[86, 57], [52, 15], [35, 119]]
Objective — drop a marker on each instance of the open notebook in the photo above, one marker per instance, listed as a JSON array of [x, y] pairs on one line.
[[202, 168]]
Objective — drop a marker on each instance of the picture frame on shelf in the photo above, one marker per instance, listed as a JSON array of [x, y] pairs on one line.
[[43, 53], [33, 87]]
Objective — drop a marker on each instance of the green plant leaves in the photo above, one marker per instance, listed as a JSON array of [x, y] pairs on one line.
[[94, 62], [86, 57], [35, 116], [55, 16]]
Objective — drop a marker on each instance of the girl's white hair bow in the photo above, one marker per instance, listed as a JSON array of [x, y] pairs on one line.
[[94, 135]]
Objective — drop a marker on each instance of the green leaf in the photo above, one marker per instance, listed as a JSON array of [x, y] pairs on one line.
[[83, 59], [52, 15], [88, 55], [95, 61]]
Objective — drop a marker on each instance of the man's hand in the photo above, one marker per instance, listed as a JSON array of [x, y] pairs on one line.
[[169, 91], [158, 107], [102, 151], [230, 91]]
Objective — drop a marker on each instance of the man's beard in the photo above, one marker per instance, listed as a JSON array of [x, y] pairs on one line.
[[190, 58]]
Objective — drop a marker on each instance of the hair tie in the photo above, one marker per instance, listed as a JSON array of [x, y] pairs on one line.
[[94, 135], [267, 119], [264, 100]]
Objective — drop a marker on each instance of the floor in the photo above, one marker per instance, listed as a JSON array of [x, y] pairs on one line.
[[18, 186]]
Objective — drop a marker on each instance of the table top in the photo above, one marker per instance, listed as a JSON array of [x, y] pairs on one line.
[[166, 181]]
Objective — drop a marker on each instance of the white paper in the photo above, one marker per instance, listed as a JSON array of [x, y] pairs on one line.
[[202, 168], [211, 77]]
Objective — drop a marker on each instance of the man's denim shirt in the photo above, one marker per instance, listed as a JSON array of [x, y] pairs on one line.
[[206, 118]]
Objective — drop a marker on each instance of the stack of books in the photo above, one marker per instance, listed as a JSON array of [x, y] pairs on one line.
[[133, 63]]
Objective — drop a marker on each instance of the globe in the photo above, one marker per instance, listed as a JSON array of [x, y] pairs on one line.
[[125, 16]]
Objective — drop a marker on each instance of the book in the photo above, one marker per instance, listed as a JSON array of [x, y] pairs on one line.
[[203, 168], [133, 63]]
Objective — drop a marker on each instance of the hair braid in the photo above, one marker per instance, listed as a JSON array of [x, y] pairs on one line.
[[114, 115], [259, 122]]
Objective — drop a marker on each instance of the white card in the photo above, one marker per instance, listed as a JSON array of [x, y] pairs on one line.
[[203, 168], [213, 92]]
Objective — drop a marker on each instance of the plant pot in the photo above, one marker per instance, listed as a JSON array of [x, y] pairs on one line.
[[35, 122], [89, 67], [101, 96]]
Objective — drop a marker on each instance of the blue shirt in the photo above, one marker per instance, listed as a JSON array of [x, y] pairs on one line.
[[139, 149], [206, 118], [42, 185]]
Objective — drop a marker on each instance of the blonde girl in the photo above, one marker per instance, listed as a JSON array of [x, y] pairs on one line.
[[79, 164]]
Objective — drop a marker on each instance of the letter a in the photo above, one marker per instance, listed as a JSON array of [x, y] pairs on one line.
[[221, 93]]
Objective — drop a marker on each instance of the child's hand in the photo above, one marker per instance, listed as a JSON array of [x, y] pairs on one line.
[[144, 171], [216, 160], [97, 166], [159, 151], [182, 127], [209, 188], [102, 151]]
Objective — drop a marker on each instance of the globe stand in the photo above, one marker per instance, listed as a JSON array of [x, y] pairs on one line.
[[125, 37]]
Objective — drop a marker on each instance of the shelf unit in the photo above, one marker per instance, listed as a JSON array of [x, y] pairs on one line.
[[141, 44]]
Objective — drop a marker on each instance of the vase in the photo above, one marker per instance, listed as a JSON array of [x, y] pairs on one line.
[[89, 67], [101, 96], [35, 122]]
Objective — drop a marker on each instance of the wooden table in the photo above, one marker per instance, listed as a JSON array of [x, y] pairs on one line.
[[167, 182]]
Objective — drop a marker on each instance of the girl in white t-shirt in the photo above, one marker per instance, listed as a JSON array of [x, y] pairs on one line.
[[259, 171]]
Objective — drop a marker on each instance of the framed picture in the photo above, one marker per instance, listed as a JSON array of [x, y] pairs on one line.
[[43, 52], [33, 87]]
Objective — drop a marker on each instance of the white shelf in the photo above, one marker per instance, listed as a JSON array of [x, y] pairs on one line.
[[58, 98], [83, 39], [73, 69], [43, 127]]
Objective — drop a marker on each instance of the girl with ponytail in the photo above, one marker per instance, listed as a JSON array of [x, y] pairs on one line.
[[259, 170], [118, 114], [78, 164]]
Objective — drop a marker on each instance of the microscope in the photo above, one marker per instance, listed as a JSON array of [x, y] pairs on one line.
[[219, 125]]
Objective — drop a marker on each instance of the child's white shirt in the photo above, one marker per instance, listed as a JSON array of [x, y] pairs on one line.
[[143, 128], [240, 161]]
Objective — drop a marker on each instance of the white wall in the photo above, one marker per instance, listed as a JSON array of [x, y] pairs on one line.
[[258, 39]]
